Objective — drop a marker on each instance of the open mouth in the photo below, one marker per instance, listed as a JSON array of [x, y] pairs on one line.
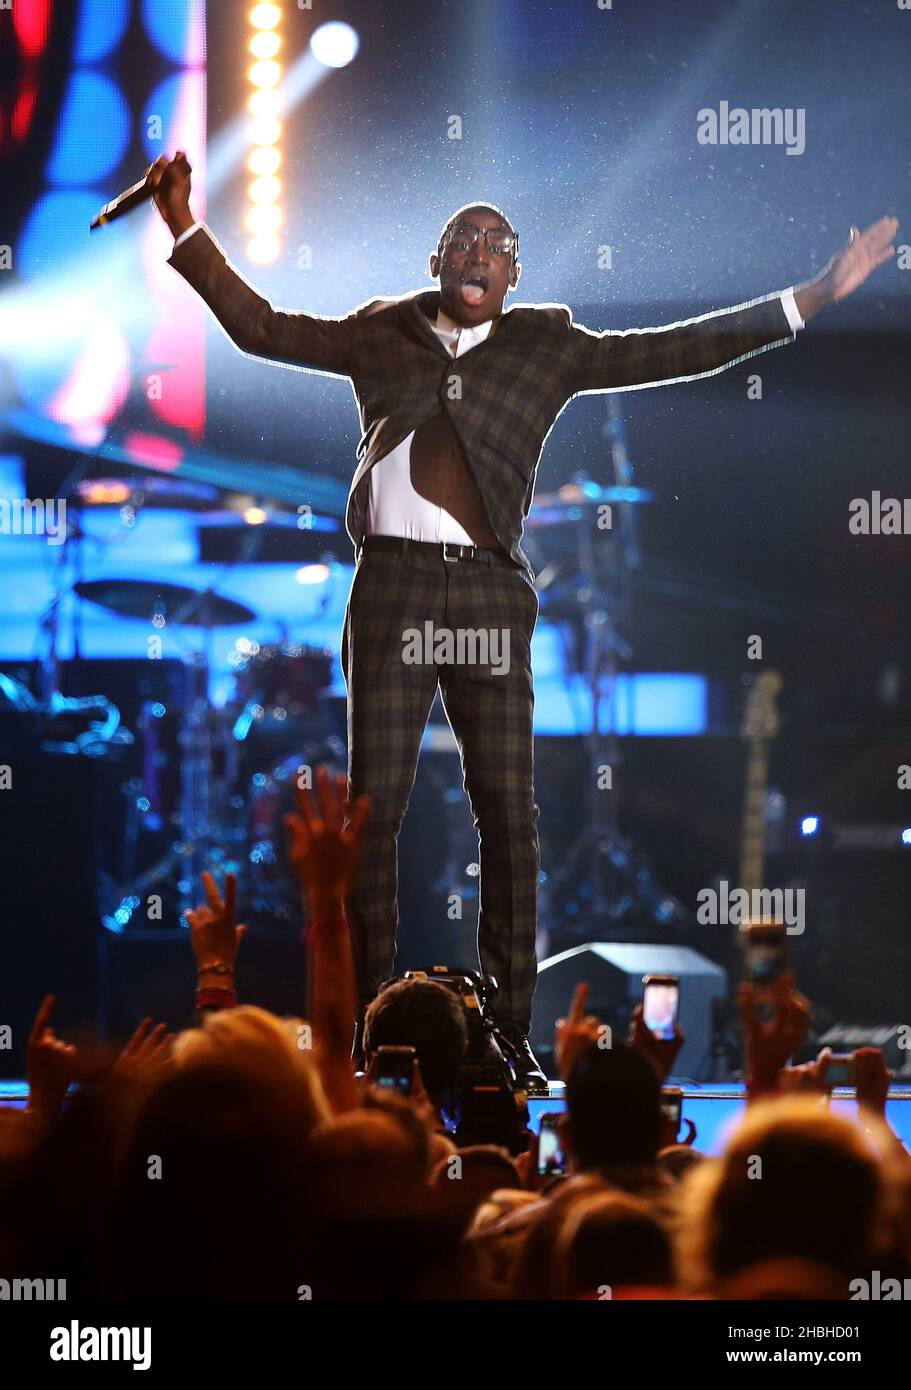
[[473, 288]]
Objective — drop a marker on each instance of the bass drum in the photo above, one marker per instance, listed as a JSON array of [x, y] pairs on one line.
[[268, 890], [280, 693]]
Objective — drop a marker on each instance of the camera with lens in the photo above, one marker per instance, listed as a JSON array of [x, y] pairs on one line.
[[484, 1105]]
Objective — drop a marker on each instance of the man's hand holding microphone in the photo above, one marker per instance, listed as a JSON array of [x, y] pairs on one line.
[[170, 181]]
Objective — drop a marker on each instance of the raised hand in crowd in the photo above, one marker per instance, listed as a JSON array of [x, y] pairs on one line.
[[324, 843], [808, 1078], [871, 1079], [325, 836], [146, 1054], [661, 1052], [52, 1064], [775, 1021], [215, 937], [670, 1135], [869, 1074], [574, 1033], [418, 1098]]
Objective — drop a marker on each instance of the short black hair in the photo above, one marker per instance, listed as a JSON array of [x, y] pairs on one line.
[[469, 207], [613, 1096], [427, 1016]]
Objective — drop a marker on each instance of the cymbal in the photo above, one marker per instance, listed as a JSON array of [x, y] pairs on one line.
[[141, 598], [589, 495], [148, 490]]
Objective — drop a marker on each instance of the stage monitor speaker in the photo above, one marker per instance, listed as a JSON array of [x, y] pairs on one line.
[[613, 971]]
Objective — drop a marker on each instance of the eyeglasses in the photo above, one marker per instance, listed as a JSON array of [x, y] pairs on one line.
[[499, 241]]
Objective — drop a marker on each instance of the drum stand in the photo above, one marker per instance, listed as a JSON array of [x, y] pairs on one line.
[[610, 877]]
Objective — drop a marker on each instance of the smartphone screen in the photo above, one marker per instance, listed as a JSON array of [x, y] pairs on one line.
[[551, 1158], [838, 1071], [395, 1069], [672, 1106], [764, 952], [660, 999]]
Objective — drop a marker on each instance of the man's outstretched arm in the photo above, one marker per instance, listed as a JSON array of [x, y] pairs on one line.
[[250, 321], [700, 346]]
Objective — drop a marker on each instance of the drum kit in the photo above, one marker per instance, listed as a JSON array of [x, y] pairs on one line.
[[209, 782], [213, 781]]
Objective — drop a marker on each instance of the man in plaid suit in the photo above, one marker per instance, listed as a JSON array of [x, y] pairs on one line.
[[456, 398]]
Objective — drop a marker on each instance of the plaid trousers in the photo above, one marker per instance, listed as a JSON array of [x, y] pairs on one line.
[[490, 714]]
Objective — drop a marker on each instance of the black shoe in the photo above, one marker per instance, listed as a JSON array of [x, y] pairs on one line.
[[529, 1076]]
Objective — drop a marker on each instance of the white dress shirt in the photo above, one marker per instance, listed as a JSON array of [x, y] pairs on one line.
[[394, 508]]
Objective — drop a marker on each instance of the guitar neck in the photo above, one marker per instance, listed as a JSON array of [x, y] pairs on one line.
[[753, 828]]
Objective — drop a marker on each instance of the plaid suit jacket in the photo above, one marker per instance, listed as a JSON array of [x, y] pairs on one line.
[[502, 397]]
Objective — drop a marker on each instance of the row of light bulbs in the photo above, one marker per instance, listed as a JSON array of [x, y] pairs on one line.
[[264, 216]]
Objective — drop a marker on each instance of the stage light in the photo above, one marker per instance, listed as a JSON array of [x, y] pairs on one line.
[[809, 825], [265, 45], [262, 249], [264, 102], [906, 835], [263, 219], [265, 131], [264, 161], [255, 516], [312, 574], [265, 16], [265, 190], [265, 74], [105, 492], [334, 44]]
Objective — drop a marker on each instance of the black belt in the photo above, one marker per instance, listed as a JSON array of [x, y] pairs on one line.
[[444, 550]]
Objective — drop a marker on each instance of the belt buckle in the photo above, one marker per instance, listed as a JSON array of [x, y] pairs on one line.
[[446, 555]]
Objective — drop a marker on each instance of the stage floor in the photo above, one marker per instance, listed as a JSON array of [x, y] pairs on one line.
[[713, 1109]]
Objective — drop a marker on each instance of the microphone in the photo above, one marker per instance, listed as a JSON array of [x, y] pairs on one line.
[[129, 199]]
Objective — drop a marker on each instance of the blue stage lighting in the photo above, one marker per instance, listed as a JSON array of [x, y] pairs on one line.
[[92, 103], [809, 825], [102, 24], [176, 29]]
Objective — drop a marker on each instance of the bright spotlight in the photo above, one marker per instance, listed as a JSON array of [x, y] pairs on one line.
[[264, 102], [266, 218], [265, 16], [906, 835], [312, 574], [809, 825], [334, 44], [265, 45], [265, 74], [263, 249], [264, 161], [255, 516], [265, 131], [265, 190]]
